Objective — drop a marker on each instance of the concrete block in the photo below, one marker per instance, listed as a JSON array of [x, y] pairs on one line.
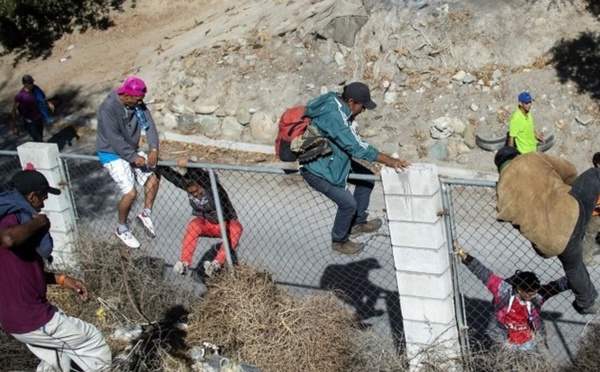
[[418, 353], [430, 334], [419, 179], [430, 261], [56, 203], [428, 310], [411, 234], [61, 221], [41, 155], [424, 285], [61, 238], [413, 208]]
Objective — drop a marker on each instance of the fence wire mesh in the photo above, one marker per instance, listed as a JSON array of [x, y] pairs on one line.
[[9, 164], [286, 229], [503, 250]]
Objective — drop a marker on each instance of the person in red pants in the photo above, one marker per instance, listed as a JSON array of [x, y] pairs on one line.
[[196, 182]]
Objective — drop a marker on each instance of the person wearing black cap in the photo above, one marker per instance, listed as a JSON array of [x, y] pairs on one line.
[[54, 337], [544, 198], [333, 116], [516, 322], [30, 102]]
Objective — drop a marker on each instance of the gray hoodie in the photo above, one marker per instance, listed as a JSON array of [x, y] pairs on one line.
[[118, 129]]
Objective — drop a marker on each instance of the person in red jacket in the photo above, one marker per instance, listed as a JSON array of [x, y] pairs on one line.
[[517, 301]]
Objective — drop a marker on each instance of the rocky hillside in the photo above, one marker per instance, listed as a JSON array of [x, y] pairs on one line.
[[441, 72]]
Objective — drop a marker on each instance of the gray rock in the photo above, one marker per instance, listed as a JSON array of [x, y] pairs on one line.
[[187, 82], [186, 122], [438, 151], [220, 113], [207, 124], [462, 148], [473, 107], [402, 79], [496, 75], [231, 128], [205, 108], [457, 125], [441, 128], [243, 116], [469, 136], [230, 110], [339, 59], [326, 59], [177, 107], [468, 79], [459, 76], [262, 127], [584, 119], [169, 120], [390, 97]]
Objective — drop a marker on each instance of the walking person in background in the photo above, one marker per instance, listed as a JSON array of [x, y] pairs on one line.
[[205, 223], [522, 134], [54, 337], [30, 102], [334, 116], [593, 227], [122, 118], [516, 322]]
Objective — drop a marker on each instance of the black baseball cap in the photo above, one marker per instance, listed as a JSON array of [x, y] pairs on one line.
[[360, 93], [28, 181], [27, 79]]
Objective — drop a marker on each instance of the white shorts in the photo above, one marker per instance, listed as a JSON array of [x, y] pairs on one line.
[[126, 174]]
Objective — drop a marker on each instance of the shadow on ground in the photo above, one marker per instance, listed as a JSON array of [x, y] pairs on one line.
[[350, 282]]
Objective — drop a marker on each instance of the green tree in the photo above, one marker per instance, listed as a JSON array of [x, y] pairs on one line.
[[29, 28]]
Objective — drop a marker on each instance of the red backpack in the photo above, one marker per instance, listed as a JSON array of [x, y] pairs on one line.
[[292, 124]]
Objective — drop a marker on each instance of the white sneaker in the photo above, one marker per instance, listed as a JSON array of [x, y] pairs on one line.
[[211, 267], [128, 238], [147, 222], [181, 268]]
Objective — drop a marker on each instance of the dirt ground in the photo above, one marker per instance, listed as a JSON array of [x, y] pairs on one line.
[[147, 40]]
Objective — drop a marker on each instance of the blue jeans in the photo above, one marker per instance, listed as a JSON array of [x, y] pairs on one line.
[[352, 208], [585, 190]]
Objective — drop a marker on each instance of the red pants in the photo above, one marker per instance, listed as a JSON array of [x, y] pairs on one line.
[[199, 227]]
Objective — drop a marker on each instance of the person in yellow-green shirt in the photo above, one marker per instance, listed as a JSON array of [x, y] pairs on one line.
[[522, 134]]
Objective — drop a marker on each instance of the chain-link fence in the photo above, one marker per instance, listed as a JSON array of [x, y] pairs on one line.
[[500, 247], [286, 229], [9, 164]]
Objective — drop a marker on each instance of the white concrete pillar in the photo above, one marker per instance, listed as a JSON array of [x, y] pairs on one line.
[[413, 200], [43, 157]]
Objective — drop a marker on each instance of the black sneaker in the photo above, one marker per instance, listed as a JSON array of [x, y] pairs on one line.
[[348, 247]]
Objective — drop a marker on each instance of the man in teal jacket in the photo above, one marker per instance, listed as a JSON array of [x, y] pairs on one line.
[[333, 116]]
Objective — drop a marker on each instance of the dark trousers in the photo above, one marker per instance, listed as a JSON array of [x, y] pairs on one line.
[[35, 130], [585, 190], [352, 208]]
